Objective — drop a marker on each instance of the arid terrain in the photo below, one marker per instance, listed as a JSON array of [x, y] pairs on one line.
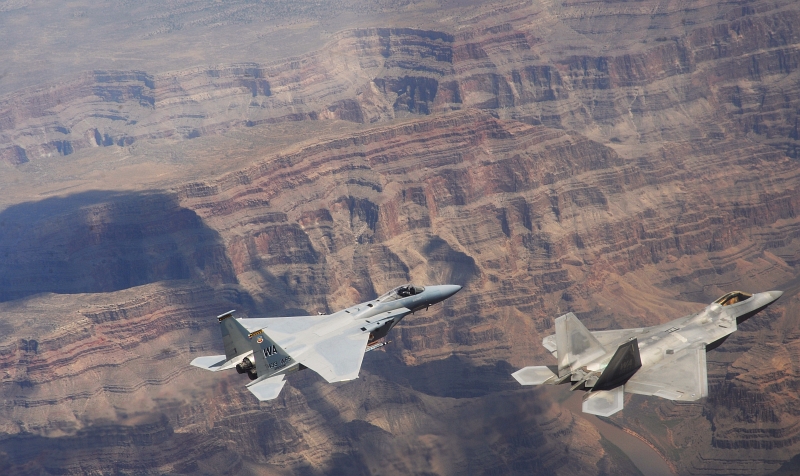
[[161, 163]]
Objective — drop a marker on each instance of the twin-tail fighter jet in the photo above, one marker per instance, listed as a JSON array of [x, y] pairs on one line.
[[668, 361], [267, 349]]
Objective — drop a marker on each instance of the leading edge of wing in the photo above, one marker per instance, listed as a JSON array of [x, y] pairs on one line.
[[682, 376], [338, 353]]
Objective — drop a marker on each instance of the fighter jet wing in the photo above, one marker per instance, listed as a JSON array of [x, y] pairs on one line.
[[681, 376], [338, 357]]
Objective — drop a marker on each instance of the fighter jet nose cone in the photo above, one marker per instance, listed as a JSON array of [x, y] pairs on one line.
[[775, 294], [447, 290], [451, 289]]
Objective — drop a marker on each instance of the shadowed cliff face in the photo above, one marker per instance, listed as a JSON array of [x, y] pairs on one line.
[[104, 241]]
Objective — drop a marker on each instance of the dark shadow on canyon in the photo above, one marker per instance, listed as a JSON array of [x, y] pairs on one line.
[[459, 267], [453, 377], [101, 241]]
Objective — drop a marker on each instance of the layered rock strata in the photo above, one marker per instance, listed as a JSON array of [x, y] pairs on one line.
[[530, 219], [546, 158], [729, 72]]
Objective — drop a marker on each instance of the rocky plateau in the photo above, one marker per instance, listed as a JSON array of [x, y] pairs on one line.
[[626, 161]]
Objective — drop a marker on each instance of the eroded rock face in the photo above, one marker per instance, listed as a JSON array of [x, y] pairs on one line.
[[732, 72], [526, 217], [517, 157]]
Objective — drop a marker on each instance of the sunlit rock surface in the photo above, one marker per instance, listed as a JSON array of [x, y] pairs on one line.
[[627, 161]]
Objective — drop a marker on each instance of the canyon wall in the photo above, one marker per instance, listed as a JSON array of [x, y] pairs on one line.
[[732, 74], [626, 161]]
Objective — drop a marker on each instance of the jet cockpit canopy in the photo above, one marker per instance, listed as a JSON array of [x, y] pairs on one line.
[[400, 292], [733, 297]]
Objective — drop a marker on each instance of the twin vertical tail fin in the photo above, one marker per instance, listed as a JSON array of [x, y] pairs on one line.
[[575, 345], [606, 397], [234, 336], [234, 339], [267, 359], [270, 359], [625, 362]]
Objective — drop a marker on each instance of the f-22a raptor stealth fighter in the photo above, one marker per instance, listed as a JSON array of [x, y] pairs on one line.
[[332, 345], [668, 361]]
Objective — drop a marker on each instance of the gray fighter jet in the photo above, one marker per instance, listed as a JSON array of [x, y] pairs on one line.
[[332, 345], [668, 361]]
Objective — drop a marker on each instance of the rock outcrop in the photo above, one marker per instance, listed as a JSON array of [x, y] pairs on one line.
[[545, 158]]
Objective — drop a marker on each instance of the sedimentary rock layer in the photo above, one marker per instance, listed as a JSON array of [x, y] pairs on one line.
[[526, 217], [732, 71], [543, 156]]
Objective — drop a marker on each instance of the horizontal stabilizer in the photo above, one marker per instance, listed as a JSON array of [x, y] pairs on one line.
[[534, 375], [210, 362], [603, 402], [267, 389]]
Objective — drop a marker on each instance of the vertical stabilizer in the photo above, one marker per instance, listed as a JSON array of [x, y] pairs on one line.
[[270, 358], [234, 336], [625, 362], [575, 345]]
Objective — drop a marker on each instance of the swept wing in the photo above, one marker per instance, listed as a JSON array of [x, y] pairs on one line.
[[681, 376]]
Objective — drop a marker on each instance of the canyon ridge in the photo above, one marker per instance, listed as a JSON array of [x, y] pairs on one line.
[[626, 161]]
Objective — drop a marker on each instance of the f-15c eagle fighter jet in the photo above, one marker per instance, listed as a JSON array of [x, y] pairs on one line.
[[267, 349], [668, 361]]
